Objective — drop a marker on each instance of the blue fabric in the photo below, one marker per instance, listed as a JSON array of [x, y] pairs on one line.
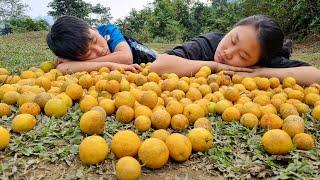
[[112, 34]]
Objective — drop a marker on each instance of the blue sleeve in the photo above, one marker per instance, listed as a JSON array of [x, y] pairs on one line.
[[114, 33]]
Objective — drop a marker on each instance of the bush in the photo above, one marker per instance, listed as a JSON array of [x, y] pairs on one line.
[[176, 20], [25, 24]]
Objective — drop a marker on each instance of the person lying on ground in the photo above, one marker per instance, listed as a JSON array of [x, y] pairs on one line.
[[80, 47], [254, 47]]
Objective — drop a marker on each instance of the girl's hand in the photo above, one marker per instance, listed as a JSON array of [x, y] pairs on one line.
[[230, 69], [256, 72], [245, 74]]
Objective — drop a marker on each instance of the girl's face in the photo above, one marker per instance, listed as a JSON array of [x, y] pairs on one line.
[[240, 47]]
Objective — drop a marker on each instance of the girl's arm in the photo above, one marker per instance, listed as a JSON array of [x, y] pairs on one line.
[[183, 67], [78, 66], [305, 75]]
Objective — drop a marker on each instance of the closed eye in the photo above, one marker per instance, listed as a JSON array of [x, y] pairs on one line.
[[88, 54], [94, 40], [232, 41], [243, 56]]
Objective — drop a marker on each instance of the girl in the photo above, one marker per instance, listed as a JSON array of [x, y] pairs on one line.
[[256, 42]]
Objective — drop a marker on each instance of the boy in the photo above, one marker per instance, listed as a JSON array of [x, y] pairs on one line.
[[79, 47]]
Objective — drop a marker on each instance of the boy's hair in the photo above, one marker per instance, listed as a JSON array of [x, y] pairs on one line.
[[69, 37]]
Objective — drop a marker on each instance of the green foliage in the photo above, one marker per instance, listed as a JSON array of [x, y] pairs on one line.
[[13, 12], [298, 17], [180, 20], [10, 9], [137, 24], [94, 15], [77, 8], [26, 24], [101, 15]]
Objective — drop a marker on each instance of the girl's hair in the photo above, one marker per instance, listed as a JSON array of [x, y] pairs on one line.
[[270, 35]]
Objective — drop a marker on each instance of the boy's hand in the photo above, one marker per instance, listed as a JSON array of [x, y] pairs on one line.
[[132, 67], [60, 60]]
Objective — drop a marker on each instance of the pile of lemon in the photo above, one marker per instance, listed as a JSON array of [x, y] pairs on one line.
[[149, 100]]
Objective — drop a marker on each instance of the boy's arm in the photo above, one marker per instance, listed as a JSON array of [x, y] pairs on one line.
[[183, 67], [78, 66], [305, 75], [122, 55]]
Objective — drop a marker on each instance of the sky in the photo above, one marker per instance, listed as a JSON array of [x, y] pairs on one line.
[[119, 8]]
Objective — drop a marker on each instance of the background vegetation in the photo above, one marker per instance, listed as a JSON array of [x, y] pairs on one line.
[[177, 20], [180, 20], [14, 20]]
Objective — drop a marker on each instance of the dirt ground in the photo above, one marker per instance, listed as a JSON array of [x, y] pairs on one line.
[[36, 168]]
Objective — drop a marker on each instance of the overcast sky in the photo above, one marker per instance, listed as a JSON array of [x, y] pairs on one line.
[[119, 8]]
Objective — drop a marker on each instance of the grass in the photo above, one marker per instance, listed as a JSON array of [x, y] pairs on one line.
[[50, 150], [22, 51], [161, 47], [309, 52]]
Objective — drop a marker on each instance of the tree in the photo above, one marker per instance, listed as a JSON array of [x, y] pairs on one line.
[[296, 17], [94, 15], [10, 9], [137, 24], [176, 20], [99, 14], [199, 18], [77, 8], [21, 25]]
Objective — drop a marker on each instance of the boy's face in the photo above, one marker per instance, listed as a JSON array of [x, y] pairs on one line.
[[240, 47], [97, 46]]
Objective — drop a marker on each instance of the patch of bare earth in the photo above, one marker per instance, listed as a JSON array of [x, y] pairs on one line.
[[34, 168]]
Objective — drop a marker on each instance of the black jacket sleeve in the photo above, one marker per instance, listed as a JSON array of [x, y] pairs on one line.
[[202, 47]]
